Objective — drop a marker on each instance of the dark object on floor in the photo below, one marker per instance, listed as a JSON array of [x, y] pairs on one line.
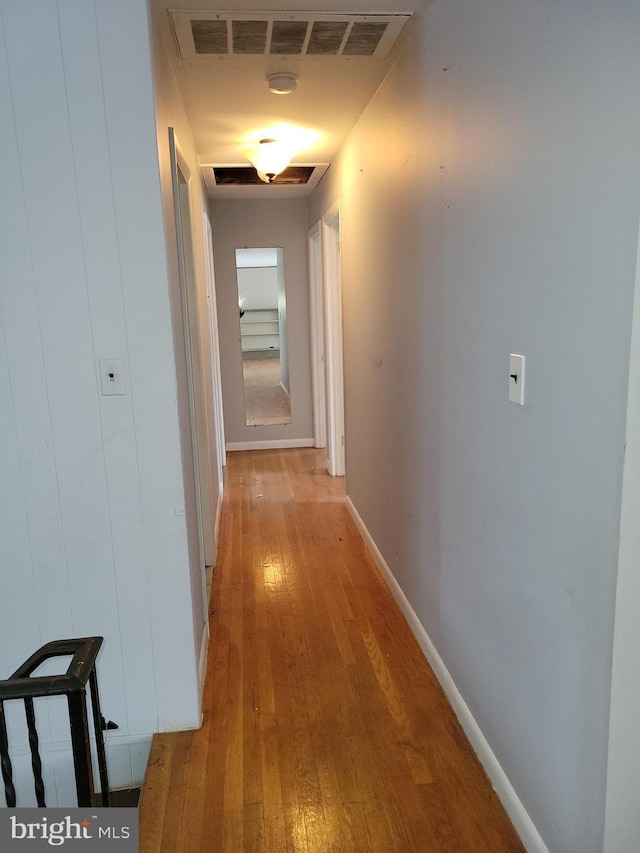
[[125, 798]]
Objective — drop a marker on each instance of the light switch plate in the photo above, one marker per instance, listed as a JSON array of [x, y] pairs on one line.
[[111, 377], [516, 378]]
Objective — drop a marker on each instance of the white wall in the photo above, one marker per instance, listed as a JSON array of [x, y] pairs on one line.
[[92, 539], [253, 224], [490, 197]]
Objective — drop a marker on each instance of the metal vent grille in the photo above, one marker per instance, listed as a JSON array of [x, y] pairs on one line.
[[209, 36], [202, 35]]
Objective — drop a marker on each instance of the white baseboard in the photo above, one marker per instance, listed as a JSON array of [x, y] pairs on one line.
[[273, 444], [523, 824]]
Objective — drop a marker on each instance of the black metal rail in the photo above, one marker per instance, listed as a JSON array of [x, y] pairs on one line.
[[72, 684]]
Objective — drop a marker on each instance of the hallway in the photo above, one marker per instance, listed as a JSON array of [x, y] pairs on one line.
[[324, 728]]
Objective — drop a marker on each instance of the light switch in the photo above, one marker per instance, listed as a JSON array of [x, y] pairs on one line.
[[111, 377], [516, 378]]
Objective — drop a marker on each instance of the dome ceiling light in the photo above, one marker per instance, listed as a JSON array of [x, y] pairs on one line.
[[269, 157]]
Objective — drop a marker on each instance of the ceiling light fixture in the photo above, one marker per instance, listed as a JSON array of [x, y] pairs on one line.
[[282, 83], [270, 157]]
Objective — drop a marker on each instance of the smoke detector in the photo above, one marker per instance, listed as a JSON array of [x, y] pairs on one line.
[[282, 83]]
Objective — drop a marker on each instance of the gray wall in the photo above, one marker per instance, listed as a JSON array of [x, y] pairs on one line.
[[490, 203], [256, 224], [93, 537]]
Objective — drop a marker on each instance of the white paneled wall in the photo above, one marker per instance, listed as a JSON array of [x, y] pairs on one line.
[[93, 536]]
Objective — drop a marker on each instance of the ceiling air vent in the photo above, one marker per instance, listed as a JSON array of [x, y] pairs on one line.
[[240, 181], [243, 176], [310, 35]]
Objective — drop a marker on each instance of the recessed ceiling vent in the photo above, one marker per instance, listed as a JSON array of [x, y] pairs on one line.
[[240, 181], [243, 176], [311, 35]]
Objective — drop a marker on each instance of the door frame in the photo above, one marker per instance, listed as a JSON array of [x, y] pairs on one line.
[[216, 377], [180, 178], [216, 369], [326, 315], [316, 304], [622, 820]]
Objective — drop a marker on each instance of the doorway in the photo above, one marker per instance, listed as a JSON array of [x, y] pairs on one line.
[[325, 279]]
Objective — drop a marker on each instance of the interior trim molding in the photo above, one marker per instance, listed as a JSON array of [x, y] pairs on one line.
[[270, 444], [202, 659], [216, 525], [523, 824]]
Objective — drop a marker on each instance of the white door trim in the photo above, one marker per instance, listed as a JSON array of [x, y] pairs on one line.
[[215, 351], [316, 303], [216, 381], [181, 176], [330, 228], [622, 819]]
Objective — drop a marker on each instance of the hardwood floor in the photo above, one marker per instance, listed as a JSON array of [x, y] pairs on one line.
[[324, 727]]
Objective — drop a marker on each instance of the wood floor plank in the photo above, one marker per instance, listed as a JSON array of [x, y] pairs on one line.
[[272, 803], [325, 730], [386, 826], [154, 795]]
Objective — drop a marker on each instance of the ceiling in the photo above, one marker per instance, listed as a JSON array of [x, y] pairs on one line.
[[228, 102]]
